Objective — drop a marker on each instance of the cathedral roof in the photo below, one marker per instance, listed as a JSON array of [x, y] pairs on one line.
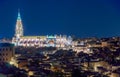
[[27, 37]]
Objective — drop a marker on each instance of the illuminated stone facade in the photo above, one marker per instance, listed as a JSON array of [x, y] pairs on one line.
[[38, 41]]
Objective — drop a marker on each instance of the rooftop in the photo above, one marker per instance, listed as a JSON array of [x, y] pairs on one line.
[[33, 36], [6, 45]]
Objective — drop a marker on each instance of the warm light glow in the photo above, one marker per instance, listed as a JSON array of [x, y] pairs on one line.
[[11, 63], [30, 73]]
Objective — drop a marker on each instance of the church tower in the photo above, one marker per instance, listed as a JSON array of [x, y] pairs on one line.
[[19, 27]]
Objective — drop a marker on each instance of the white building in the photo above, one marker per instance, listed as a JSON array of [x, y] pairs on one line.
[[38, 41]]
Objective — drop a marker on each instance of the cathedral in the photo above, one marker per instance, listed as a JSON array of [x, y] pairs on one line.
[[38, 41]]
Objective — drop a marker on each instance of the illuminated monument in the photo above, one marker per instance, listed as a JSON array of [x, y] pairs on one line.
[[19, 27], [38, 41]]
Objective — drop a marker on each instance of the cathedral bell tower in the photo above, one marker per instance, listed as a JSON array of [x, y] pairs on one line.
[[19, 27], [18, 30]]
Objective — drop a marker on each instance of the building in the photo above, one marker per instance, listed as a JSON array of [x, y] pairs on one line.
[[6, 52], [38, 41]]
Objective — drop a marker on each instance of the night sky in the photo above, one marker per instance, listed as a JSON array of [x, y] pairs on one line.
[[82, 18]]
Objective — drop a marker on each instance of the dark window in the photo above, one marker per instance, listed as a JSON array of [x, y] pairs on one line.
[[10, 49], [6, 49], [6, 59], [3, 49], [6, 54]]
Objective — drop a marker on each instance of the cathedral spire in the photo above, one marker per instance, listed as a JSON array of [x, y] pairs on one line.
[[19, 17], [19, 26]]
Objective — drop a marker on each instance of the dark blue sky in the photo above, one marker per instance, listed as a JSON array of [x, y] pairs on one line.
[[82, 18]]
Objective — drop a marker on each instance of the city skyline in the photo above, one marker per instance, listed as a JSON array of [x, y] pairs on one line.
[[79, 18], [59, 38]]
